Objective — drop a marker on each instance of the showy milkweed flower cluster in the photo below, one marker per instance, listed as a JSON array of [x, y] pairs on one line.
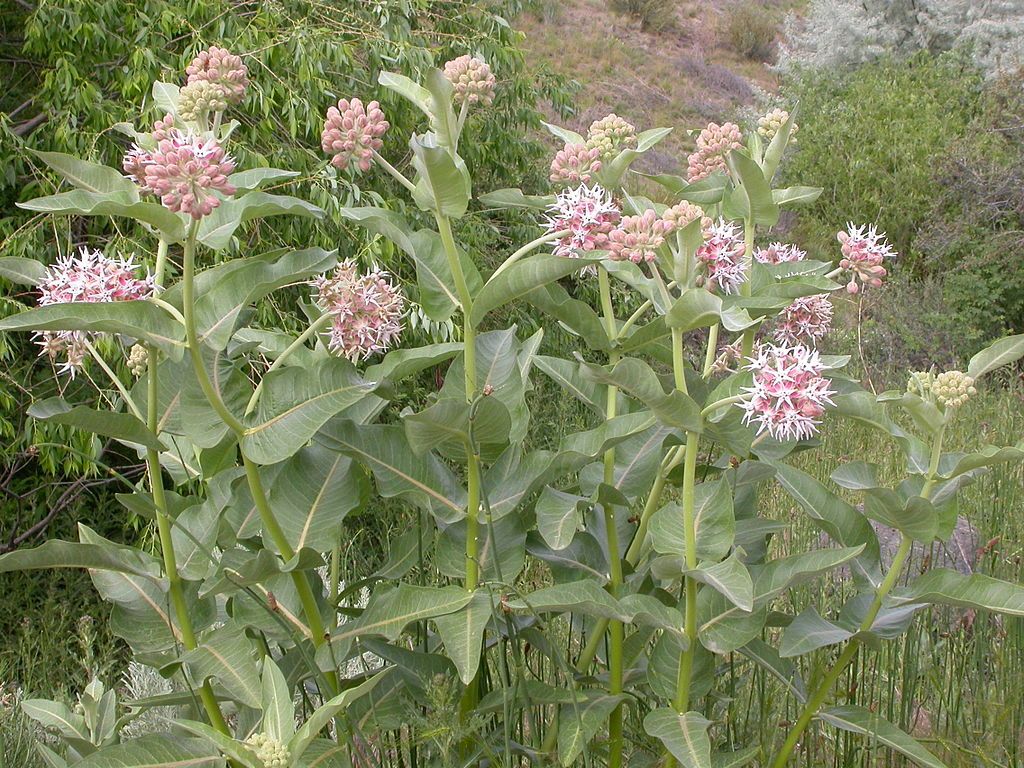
[[768, 125], [589, 213], [682, 214], [472, 80], [864, 250], [721, 253], [806, 321], [221, 68], [610, 135], [779, 253], [637, 238], [90, 277], [789, 393], [713, 144], [352, 133], [199, 99], [575, 164], [366, 310], [184, 172]]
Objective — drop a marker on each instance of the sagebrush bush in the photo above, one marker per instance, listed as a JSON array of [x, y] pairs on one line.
[[654, 15], [752, 30]]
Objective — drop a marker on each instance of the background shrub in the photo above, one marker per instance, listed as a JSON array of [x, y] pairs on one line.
[[752, 30], [654, 15]]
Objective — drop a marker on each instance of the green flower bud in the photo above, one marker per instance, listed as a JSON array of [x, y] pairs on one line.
[[200, 98], [953, 388], [272, 753], [138, 359], [920, 383]]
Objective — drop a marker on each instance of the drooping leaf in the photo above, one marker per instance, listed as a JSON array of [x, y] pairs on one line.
[[80, 202], [254, 178], [810, 631], [636, 378], [391, 612], [87, 175], [323, 715], [462, 633], [1000, 353], [381, 221], [729, 577], [947, 587], [684, 735], [784, 670], [217, 229], [296, 403], [877, 729], [227, 656], [578, 723], [155, 751], [276, 703], [514, 198], [521, 278], [558, 515], [22, 271], [120, 426], [104, 555], [584, 597]]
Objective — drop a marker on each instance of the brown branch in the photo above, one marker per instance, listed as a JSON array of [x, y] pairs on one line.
[[23, 128]]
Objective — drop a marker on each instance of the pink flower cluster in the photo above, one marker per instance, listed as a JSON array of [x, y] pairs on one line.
[[575, 164], [90, 277], [352, 133], [184, 172], [713, 144], [789, 394], [779, 253], [472, 80], [222, 68], [722, 253], [806, 321], [366, 310], [864, 250], [589, 213], [682, 214], [637, 238]]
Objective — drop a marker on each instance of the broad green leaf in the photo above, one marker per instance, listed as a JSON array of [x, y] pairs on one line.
[[254, 178], [695, 308], [584, 597], [611, 174], [722, 626], [955, 464], [514, 198], [87, 175], [648, 610], [324, 753], [165, 96], [736, 759], [558, 515], [753, 196], [443, 184], [277, 704], [105, 555], [578, 723], [54, 714], [569, 137], [195, 537], [713, 519], [227, 655], [442, 116], [312, 494], [392, 611], [914, 516], [521, 278], [835, 517], [384, 450], [141, 320], [636, 378], [445, 427], [996, 355], [880, 731], [684, 735], [501, 551], [790, 197], [381, 221], [296, 403], [775, 576], [729, 577], [402, 363], [238, 751], [155, 751], [407, 89], [438, 296], [948, 587], [217, 229], [808, 632], [569, 376], [22, 271], [80, 202], [324, 714], [120, 426], [577, 316], [777, 147], [462, 633], [856, 476]]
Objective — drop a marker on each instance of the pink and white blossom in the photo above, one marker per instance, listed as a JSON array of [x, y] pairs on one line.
[[713, 144], [89, 277], [221, 68], [366, 310], [864, 250], [575, 164], [779, 253], [805, 321], [637, 238], [789, 393], [722, 253], [186, 170], [588, 213], [471, 79], [352, 133]]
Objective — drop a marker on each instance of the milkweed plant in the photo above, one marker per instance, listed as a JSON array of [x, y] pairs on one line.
[[569, 604]]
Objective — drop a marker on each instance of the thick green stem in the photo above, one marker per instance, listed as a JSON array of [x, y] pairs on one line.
[[616, 631], [161, 265], [712, 351], [747, 346], [270, 523], [395, 173], [315, 327], [163, 525], [823, 690], [682, 700]]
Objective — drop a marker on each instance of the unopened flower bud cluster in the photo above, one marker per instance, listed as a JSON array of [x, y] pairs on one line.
[[199, 99], [610, 135], [138, 360], [713, 144], [471, 79], [272, 753], [953, 388], [575, 164], [769, 125]]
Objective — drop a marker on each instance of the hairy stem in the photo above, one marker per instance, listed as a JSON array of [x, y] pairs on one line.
[[267, 517], [163, 525], [616, 631], [821, 693]]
